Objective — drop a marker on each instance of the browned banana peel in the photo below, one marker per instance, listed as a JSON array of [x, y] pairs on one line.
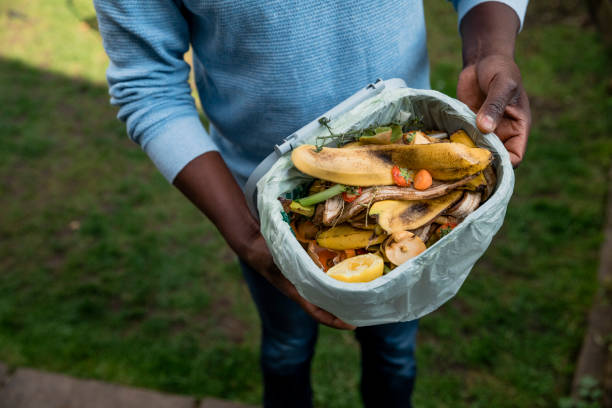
[[425, 231], [317, 219], [347, 237], [478, 183], [315, 252], [469, 203], [491, 178], [371, 165], [402, 246], [362, 223], [306, 230], [445, 219], [332, 209], [396, 216], [374, 194]]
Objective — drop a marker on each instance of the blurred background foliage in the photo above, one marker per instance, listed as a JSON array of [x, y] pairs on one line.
[[108, 273]]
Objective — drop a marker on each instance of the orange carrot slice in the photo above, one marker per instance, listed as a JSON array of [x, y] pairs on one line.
[[422, 180]]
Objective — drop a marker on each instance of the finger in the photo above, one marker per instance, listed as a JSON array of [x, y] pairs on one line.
[[516, 149], [514, 129], [320, 315], [468, 90], [506, 129], [514, 134], [509, 128], [326, 318], [502, 91]]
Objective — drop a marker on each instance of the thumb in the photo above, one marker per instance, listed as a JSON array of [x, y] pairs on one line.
[[501, 92]]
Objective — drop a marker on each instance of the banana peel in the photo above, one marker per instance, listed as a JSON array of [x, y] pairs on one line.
[[461, 137], [479, 182], [371, 165], [345, 236], [351, 145], [397, 216]]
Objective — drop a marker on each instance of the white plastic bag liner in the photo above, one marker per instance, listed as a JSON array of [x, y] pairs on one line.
[[425, 282]]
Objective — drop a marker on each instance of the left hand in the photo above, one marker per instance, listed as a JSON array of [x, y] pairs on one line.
[[492, 88]]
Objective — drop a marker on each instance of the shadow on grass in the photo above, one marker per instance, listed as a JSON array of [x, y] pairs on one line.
[[107, 271]]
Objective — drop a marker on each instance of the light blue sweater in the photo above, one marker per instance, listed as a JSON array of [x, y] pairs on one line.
[[263, 68]]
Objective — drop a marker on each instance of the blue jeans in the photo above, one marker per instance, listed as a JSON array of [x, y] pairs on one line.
[[388, 367]]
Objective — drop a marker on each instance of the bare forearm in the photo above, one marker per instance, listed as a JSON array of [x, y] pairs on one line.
[[207, 182], [487, 29]]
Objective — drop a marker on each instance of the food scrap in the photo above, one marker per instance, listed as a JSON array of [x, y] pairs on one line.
[[385, 196]]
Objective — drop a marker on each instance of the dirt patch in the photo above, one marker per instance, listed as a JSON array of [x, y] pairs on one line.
[[31, 388], [595, 360], [556, 11], [233, 328], [549, 106], [226, 322]]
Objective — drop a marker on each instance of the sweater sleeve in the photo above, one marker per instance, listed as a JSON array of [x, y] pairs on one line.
[[148, 80], [463, 6]]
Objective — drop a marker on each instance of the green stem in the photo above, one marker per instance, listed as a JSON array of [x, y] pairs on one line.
[[322, 195]]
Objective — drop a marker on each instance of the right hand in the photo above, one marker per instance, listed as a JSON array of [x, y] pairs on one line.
[[208, 183], [258, 257]]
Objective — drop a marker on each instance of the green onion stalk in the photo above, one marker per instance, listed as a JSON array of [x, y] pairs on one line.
[[322, 195]]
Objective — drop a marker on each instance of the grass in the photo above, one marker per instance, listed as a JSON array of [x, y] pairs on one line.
[[107, 272]]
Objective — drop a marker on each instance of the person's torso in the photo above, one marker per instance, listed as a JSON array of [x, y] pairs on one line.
[[264, 68]]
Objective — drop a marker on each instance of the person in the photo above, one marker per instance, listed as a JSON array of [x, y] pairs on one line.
[[264, 68]]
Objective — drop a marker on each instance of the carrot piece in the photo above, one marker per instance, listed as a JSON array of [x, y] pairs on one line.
[[326, 258], [349, 253], [422, 180], [298, 233]]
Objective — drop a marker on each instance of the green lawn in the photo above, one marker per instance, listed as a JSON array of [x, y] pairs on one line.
[[107, 272]]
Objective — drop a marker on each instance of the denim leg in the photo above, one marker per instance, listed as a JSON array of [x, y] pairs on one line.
[[287, 345], [388, 367]]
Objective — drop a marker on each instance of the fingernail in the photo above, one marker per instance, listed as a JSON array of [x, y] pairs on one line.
[[487, 123]]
